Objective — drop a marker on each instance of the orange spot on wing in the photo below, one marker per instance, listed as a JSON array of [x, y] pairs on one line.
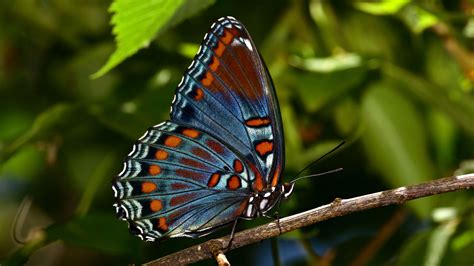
[[233, 182], [258, 122], [265, 147], [192, 133], [199, 94], [161, 155], [156, 205], [148, 187], [215, 64], [172, 141], [208, 79], [219, 50], [162, 226], [227, 38], [238, 167], [214, 180], [154, 169]]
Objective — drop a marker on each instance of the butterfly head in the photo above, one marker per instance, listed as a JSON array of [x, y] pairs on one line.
[[262, 202]]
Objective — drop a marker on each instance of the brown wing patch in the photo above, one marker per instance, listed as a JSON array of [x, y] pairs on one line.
[[258, 183], [185, 173], [192, 163], [178, 200], [201, 153], [215, 146], [179, 186], [276, 176]]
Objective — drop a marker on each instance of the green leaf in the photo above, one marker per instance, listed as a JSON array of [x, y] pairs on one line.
[[13, 121], [413, 250], [136, 23], [418, 19], [463, 240], [327, 78], [14, 167], [44, 123], [346, 117], [438, 242], [459, 109], [444, 135], [188, 50], [385, 7], [328, 64], [98, 177], [98, 231], [395, 140]]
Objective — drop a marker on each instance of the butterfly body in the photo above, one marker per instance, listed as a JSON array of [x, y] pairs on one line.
[[219, 157]]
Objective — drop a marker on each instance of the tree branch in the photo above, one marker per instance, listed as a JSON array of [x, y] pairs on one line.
[[338, 207]]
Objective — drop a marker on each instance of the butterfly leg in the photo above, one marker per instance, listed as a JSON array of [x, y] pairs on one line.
[[276, 217], [232, 234]]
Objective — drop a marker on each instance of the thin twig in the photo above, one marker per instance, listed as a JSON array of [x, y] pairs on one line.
[[338, 207]]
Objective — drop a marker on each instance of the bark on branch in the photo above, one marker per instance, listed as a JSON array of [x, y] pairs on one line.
[[338, 207]]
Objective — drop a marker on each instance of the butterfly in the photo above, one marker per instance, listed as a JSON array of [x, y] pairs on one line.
[[220, 157]]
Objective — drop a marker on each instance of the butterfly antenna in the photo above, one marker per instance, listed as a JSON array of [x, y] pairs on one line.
[[318, 174], [320, 158]]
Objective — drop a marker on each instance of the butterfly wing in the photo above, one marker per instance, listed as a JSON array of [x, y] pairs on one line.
[[195, 173], [228, 93], [180, 181]]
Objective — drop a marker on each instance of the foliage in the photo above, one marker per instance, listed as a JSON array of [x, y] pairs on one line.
[[394, 78]]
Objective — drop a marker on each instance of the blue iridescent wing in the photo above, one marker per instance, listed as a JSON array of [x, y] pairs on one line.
[[228, 93], [195, 173], [179, 181]]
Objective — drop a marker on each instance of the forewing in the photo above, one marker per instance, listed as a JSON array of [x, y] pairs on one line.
[[228, 93]]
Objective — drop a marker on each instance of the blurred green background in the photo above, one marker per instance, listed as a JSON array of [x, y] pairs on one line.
[[393, 78]]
